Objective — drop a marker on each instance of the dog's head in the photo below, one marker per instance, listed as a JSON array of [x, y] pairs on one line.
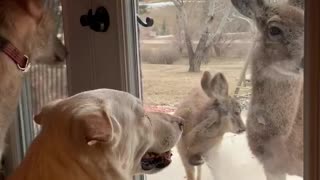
[[110, 128], [30, 27]]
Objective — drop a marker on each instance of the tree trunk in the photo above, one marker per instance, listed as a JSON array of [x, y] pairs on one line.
[[194, 64], [217, 50], [187, 35], [198, 55]]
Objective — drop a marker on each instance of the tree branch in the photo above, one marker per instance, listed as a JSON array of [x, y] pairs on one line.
[[183, 19], [220, 28], [249, 21]]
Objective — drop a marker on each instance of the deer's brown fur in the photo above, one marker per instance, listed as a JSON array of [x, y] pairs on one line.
[[275, 118], [209, 112]]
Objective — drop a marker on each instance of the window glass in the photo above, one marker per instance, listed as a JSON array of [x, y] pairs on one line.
[[194, 36]]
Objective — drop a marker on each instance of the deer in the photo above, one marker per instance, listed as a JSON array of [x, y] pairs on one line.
[[208, 112], [275, 116]]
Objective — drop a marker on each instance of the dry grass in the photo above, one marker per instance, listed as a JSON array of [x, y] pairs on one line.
[[164, 55], [169, 84]]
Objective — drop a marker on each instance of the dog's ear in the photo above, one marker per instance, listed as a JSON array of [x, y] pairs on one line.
[[34, 7], [96, 128], [38, 118]]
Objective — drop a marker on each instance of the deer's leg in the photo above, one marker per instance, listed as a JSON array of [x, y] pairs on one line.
[[190, 170], [199, 171]]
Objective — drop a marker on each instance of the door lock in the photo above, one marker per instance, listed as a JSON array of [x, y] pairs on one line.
[[98, 22]]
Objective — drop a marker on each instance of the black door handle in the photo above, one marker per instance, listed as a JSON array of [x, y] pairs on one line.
[[98, 22], [149, 22]]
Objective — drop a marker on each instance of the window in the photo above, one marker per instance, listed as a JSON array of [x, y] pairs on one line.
[[188, 38], [110, 60]]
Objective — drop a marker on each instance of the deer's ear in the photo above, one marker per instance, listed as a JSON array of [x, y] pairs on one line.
[[219, 85], [249, 8], [34, 7], [205, 83]]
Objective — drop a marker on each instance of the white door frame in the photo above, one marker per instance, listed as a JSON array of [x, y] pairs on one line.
[[103, 60]]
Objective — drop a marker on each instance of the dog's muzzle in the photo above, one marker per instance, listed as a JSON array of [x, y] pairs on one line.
[[152, 160]]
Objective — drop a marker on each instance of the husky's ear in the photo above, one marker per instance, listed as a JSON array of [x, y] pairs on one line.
[[34, 7], [39, 118]]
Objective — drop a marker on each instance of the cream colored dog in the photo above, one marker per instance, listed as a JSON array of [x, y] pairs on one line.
[[99, 135], [26, 30]]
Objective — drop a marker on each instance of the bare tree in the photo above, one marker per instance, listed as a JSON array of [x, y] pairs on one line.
[[207, 37], [298, 3]]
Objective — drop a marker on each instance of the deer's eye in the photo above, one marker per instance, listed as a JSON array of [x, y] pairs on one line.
[[275, 33], [237, 113], [216, 103]]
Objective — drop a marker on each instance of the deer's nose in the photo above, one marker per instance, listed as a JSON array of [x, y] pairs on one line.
[[241, 131], [180, 124]]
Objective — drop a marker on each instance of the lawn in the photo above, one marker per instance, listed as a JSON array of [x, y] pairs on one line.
[[167, 85]]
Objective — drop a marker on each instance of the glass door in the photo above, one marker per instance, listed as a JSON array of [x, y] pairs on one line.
[[188, 38]]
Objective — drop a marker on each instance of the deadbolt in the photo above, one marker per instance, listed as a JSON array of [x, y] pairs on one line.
[[98, 22]]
